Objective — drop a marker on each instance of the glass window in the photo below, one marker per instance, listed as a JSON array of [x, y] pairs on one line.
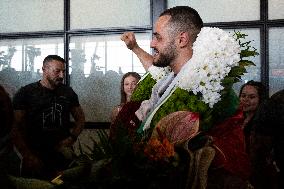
[[223, 10], [253, 72], [276, 59], [21, 60], [275, 9], [31, 15], [96, 66], [109, 13]]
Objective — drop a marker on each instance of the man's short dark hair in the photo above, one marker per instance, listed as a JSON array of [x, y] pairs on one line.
[[50, 58], [184, 19]]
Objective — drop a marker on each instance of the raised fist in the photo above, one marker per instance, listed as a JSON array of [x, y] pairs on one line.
[[129, 40]]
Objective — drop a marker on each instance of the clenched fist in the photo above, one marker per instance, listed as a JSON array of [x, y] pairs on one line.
[[129, 40]]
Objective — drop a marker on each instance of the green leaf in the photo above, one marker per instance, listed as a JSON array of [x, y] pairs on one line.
[[248, 53], [237, 70], [244, 63]]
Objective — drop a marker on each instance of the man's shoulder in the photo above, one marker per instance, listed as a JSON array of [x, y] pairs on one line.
[[31, 86], [65, 88], [27, 89], [66, 91]]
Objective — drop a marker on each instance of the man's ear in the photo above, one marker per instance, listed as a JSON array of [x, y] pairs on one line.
[[184, 39]]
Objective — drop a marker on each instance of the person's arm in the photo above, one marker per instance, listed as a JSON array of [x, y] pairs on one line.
[[30, 160], [130, 41], [18, 131], [79, 117], [114, 113]]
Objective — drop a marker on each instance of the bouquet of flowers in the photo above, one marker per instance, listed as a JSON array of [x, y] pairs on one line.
[[205, 83]]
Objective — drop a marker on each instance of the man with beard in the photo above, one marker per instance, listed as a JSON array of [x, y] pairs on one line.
[[175, 32], [42, 129]]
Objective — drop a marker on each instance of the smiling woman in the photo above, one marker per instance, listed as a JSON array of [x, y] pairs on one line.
[[251, 96], [127, 86]]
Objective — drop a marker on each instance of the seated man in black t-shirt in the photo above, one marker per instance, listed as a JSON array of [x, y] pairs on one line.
[[42, 126]]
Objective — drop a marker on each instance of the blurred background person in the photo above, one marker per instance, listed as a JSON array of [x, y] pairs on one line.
[[251, 96], [267, 143], [127, 85], [9, 161]]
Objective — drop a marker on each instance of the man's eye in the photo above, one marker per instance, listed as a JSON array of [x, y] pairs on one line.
[[158, 38]]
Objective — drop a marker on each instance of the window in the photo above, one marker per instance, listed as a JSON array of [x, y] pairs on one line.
[[86, 33], [31, 15], [97, 65], [222, 10], [109, 13], [276, 59], [21, 60]]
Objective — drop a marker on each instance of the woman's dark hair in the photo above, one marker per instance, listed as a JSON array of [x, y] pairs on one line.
[[6, 112], [122, 93], [258, 86]]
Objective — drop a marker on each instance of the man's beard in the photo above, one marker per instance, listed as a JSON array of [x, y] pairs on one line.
[[166, 58], [55, 82]]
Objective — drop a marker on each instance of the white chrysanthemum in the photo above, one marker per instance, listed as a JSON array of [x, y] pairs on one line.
[[215, 52], [158, 73]]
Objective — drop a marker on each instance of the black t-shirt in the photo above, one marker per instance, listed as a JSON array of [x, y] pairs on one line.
[[47, 112]]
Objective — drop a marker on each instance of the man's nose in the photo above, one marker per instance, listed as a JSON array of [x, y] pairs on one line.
[[153, 44]]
